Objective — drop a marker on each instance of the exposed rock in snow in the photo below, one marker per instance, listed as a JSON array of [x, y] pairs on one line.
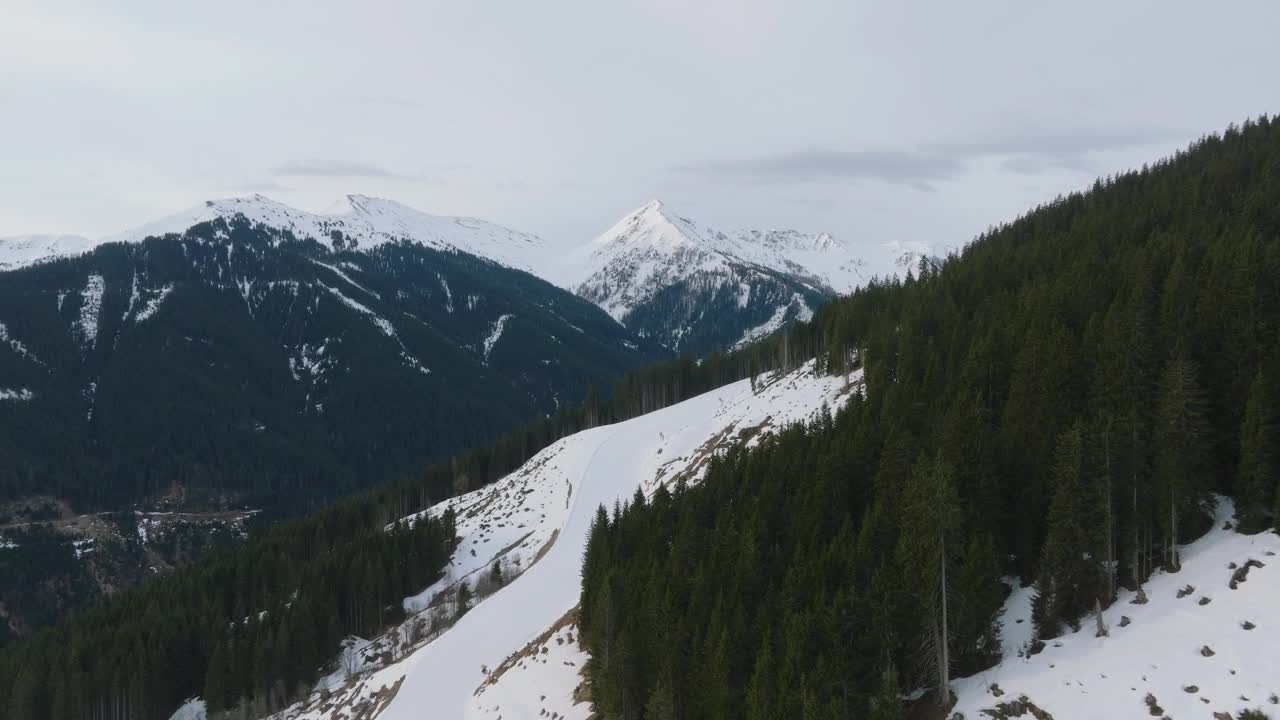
[[1155, 649]]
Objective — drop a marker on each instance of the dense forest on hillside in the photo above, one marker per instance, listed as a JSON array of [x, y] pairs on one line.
[[240, 364], [252, 626], [1059, 402], [706, 312]]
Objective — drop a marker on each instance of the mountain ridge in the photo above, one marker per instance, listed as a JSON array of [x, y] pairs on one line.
[[688, 286]]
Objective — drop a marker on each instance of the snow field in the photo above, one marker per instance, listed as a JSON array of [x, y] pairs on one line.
[[1161, 650]]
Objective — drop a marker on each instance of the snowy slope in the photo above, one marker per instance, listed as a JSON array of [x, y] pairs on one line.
[[542, 512], [653, 248], [1159, 651], [24, 250], [368, 221]]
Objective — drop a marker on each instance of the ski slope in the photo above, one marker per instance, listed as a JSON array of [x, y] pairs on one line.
[[603, 465], [542, 512], [1160, 651]]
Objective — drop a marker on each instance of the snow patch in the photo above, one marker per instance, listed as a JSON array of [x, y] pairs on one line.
[[448, 295], [803, 313], [153, 304], [193, 709], [382, 323], [16, 395], [90, 308], [16, 346], [347, 278], [1159, 650], [495, 333]]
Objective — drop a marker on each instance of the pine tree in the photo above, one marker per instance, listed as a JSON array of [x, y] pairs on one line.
[[1256, 476], [760, 691], [1071, 576], [463, 599], [929, 515], [1179, 464], [215, 680], [979, 594], [661, 705], [887, 704]]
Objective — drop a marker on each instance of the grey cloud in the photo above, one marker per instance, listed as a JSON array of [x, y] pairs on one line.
[[1035, 149], [1026, 150], [344, 169], [393, 101], [913, 168]]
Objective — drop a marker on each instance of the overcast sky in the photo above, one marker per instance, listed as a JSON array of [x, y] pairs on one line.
[[878, 122]]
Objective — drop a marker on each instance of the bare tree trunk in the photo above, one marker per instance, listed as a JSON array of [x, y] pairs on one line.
[[1111, 563], [1137, 549], [944, 670]]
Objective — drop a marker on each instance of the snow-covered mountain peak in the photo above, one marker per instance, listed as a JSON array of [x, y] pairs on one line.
[[655, 229], [360, 221], [22, 250], [654, 254], [650, 225]]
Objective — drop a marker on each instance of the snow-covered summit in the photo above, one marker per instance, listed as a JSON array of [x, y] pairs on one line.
[[367, 220], [654, 248], [23, 250]]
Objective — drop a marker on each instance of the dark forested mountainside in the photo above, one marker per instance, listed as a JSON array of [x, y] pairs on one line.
[[237, 361], [247, 626], [708, 312], [334, 573], [1059, 402]]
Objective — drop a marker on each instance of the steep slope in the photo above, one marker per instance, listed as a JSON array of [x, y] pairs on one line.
[[1156, 650], [249, 361], [541, 514], [697, 289]]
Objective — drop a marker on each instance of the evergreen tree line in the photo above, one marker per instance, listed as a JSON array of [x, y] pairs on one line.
[[247, 628], [253, 383], [637, 392], [250, 628], [1060, 402]]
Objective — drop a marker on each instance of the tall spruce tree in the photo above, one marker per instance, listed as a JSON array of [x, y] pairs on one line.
[[1256, 475], [1179, 448], [1071, 576], [930, 514]]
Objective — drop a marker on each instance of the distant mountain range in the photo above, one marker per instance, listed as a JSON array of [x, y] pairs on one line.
[[251, 360], [686, 286]]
